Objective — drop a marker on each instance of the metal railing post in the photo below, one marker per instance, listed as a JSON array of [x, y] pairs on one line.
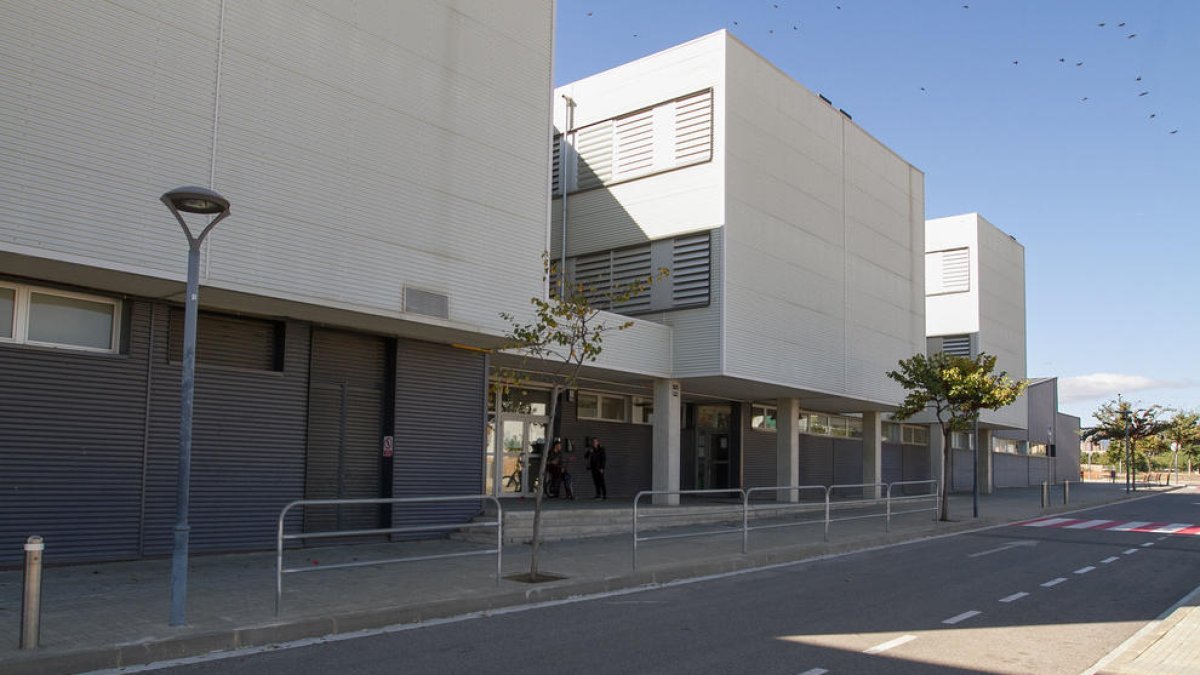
[[745, 520], [31, 603], [1045, 494], [826, 513], [635, 521], [887, 522], [1066, 492]]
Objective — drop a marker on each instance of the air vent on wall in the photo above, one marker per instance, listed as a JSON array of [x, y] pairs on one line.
[[417, 301]]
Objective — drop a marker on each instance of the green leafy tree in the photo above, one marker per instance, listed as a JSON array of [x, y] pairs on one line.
[[956, 389], [1182, 435], [1117, 418], [565, 334]]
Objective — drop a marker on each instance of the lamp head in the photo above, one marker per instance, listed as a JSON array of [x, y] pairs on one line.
[[194, 199]]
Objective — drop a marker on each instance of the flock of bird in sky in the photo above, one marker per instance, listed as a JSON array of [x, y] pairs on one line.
[[1017, 62]]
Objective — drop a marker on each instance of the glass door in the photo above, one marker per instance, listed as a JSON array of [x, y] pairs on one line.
[[522, 445]]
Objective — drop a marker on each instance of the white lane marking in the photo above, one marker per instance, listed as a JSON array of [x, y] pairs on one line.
[[1110, 559], [1131, 525], [1130, 551], [962, 617], [1014, 597], [1051, 521], [1172, 528], [1053, 582], [1147, 544], [815, 671], [1161, 538], [1087, 524], [890, 644], [1084, 570], [1024, 542]]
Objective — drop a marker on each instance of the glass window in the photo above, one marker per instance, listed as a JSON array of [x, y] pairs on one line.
[[643, 410], [960, 440], [61, 320], [601, 407], [839, 426], [589, 406], [914, 435], [714, 417], [891, 432], [818, 424], [762, 418], [612, 408], [855, 426], [8, 304], [526, 401], [1037, 448]]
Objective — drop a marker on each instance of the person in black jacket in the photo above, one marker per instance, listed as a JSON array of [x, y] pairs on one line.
[[596, 461]]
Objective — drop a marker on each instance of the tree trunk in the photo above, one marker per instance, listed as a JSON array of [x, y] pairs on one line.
[[536, 541], [947, 467]]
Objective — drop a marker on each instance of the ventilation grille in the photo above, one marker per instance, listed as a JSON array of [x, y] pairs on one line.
[[595, 155], [691, 270], [556, 165], [948, 271], [428, 303], [629, 267], [958, 345], [635, 144]]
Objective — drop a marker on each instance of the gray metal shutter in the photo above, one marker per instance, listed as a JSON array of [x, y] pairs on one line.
[[916, 466], [962, 470], [441, 393], [247, 442], [345, 422], [631, 266], [847, 461], [892, 460], [229, 341], [71, 431], [816, 460]]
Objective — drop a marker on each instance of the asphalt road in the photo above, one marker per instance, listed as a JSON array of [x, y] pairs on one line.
[[1016, 599]]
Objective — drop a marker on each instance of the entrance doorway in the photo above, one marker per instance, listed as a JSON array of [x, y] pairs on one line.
[[713, 453], [522, 444]]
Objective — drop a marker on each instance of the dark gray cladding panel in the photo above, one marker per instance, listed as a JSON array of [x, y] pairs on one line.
[[816, 460], [439, 441], [892, 461], [71, 429], [247, 450], [847, 461], [628, 449], [916, 464], [759, 450], [961, 475]]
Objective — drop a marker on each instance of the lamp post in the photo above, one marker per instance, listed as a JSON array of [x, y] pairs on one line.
[[201, 201], [975, 467]]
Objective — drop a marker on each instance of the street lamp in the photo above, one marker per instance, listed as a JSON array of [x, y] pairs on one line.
[[1125, 415], [201, 201]]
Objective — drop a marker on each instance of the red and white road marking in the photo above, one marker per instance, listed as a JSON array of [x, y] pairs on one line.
[[1115, 526]]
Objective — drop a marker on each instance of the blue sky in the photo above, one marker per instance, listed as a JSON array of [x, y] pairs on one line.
[[1102, 195]]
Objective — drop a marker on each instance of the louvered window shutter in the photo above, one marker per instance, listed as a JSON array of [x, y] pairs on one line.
[[634, 145], [948, 271], [630, 266], [556, 181], [693, 128], [691, 270], [594, 148], [958, 345]]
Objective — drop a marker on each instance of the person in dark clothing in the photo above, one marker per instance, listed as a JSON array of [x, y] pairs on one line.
[[596, 461]]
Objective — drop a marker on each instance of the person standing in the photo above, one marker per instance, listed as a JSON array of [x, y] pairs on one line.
[[597, 458]]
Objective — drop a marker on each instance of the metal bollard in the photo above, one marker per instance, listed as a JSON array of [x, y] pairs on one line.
[[1045, 494], [1066, 492], [31, 606]]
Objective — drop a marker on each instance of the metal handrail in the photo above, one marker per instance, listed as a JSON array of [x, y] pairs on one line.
[[777, 489], [644, 493], [828, 499], [937, 503], [281, 536]]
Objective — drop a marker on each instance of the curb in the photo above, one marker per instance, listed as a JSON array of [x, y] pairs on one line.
[[300, 628]]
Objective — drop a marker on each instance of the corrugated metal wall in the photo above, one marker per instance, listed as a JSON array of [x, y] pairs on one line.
[[961, 476], [816, 460], [345, 428], [629, 449], [847, 461], [916, 463], [441, 395], [892, 463], [1010, 470], [758, 452], [71, 432], [248, 438]]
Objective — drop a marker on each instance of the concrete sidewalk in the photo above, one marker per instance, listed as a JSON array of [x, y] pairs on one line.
[[115, 614]]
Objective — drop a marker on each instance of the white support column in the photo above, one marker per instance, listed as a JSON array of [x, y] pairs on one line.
[[983, 449], [666, 440], [872, 448], [787, 446]]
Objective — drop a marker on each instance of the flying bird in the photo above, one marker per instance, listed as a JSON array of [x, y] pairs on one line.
[[1015, 62], [1121, 25], [1138, 78], [1174, 131], [1062, 60], [1083, 100], [922, 88], [1131, 36], [1101, 24], [1153, 115], [1143, 93], [589, 13], [1079, 64]]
